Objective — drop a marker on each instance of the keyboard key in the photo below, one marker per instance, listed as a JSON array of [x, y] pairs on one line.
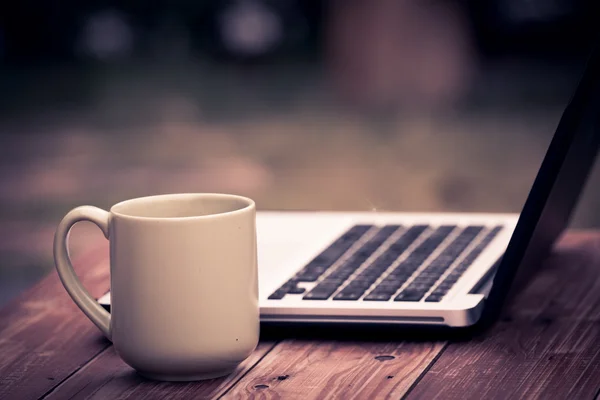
[[356, 231], [370, 272], [441, 292], [378, 297], [308, 277], [383, 234], [328, 285], [341, 274], [389, 230], [365, 278], [385, 284], [410, 295], [400, 273], [389, 284], [326, 258], [444, 286], [333, 280], [385, 290], [322, 294], [286, 288], [424, 280], [434, 298], [451, 279], [359, 284], [421, 287], [312, 271], [323, 290], [296, 290], [385, 260], [347, 296], [290, 283], [278, 295]]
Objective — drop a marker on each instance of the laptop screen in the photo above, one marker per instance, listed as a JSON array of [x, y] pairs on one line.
[[556, 189]]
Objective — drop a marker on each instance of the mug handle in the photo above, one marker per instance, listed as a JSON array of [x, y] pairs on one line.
[[90, 307]]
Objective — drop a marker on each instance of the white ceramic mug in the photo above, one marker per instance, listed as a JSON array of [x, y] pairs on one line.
[[184, 282]]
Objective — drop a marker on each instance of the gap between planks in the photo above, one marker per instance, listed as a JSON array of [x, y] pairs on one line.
[[59, 384]]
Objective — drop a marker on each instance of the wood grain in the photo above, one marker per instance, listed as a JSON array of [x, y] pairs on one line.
[[108, 377], [321, 370], [44, 337], [548, 344], [519, 360], [566, 285]]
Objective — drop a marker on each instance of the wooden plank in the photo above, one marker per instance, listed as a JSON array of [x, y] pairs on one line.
[[44, 337], [548, 344], [519, 360], [567, 285], [551, 335], [108, 377], [333, 369]]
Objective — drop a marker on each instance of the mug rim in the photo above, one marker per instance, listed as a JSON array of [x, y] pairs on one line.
[[250, 204]]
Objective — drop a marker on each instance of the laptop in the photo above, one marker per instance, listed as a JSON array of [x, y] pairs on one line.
[[444, 269]]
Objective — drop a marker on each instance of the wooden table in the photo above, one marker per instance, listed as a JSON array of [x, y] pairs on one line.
[[546, 346]]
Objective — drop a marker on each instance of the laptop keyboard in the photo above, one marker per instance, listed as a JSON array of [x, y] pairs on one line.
[[371, 263]]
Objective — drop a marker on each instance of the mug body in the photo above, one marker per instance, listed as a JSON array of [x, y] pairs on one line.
[[184, 284]]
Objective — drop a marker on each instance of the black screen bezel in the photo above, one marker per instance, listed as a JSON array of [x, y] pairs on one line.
[[555, 192]]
